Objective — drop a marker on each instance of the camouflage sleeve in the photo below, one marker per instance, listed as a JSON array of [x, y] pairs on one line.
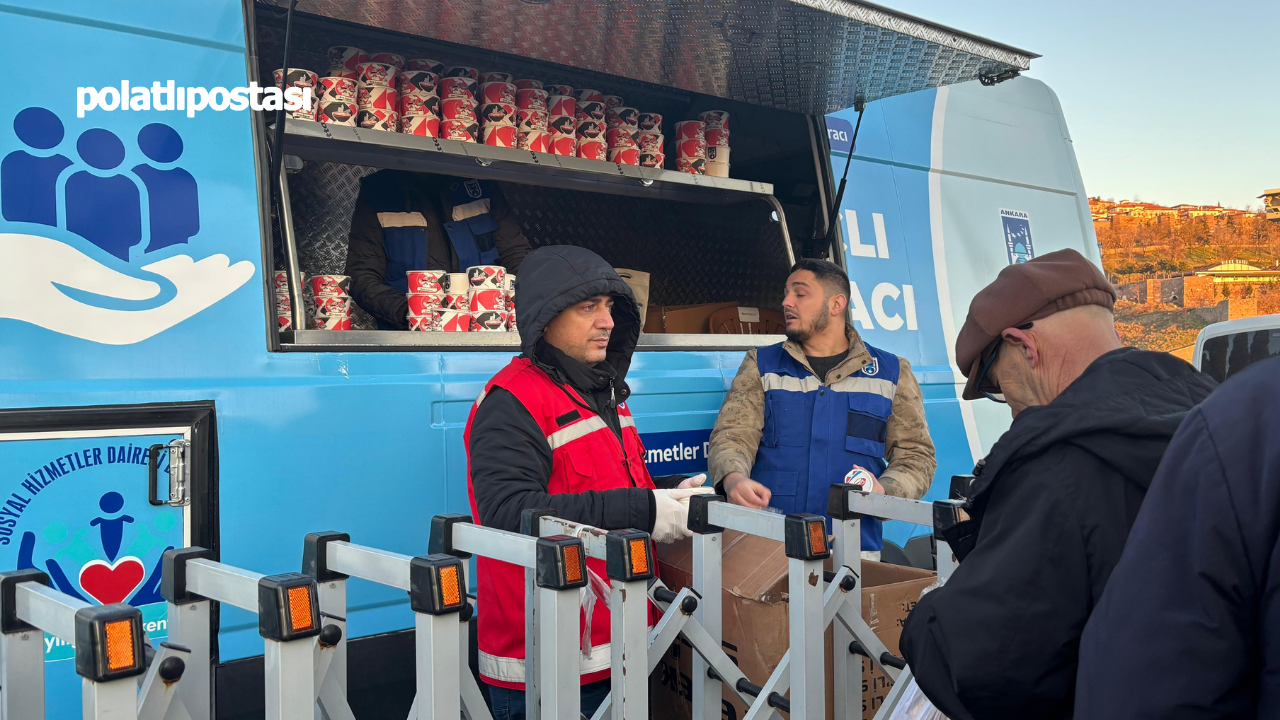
[[736, 436], [908, 447]]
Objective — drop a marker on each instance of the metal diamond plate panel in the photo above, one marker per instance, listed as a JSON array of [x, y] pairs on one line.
[[694, 253], [809, 56]]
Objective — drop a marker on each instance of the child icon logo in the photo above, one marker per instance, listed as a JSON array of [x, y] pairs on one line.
[[96, 193]]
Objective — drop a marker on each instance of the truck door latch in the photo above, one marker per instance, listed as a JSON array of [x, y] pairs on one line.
[[179, 473]]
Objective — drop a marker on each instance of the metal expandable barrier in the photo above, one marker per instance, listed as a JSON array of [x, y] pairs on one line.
[[437, 587], [846, 505], [109, 656], [558, 566], [297, 650]]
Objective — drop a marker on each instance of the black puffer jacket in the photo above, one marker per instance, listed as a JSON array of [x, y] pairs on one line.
[[510, 457], [1052, 505]]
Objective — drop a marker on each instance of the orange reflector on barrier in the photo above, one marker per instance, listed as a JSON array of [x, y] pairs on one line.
[[120, 645], [450, 593], [300, 608], [639, 557], [572, 564], [818, 537]]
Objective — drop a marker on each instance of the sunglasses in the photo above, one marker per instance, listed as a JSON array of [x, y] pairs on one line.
[[990, 390]]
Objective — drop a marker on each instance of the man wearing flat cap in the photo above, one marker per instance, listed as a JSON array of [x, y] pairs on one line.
[[1051, 505]]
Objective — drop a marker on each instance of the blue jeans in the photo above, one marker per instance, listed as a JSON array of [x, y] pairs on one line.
[[509, 704]]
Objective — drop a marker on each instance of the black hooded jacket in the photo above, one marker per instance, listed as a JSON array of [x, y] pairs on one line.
[[510, 457], [1051, 506]]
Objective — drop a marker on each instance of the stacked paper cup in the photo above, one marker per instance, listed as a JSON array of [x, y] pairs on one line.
[[426, 296], [376, 97], [488, 298], [592, 144], [509, 289], [623, 133], [454, 314], [691, 147], [337, 101], [562, 122], [419, 103], [650, 140], [344, 59], [284, 308], [717, 136], [532, 116], [333, 304], [458, 120], [307, 82], [498, 111]]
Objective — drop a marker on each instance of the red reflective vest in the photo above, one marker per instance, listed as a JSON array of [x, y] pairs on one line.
[[585, 455]]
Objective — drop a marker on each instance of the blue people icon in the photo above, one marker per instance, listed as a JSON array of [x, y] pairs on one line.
[[104, 210], [29, 183], [112, 529], [174, 204]]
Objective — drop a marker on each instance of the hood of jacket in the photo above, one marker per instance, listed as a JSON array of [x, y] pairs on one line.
[[1124, 409], [556, 277]]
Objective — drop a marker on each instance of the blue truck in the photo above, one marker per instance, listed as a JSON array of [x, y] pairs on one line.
[[149, 397]]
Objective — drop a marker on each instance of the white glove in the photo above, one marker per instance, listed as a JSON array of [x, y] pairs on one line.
[[692, 482], [671, 521]]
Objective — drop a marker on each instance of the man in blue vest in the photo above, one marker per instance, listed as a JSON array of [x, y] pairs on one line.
[[803, 413], [414, 221]]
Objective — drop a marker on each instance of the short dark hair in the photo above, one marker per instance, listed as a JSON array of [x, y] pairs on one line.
[[827, 273]]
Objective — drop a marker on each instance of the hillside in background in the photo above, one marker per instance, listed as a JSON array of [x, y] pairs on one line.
[[1181, 268]]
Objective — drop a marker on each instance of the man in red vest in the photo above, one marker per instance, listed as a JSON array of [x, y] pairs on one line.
[[552, 429]]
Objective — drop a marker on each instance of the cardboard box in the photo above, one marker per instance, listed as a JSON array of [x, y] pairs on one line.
[[683, 319], [756, 624]]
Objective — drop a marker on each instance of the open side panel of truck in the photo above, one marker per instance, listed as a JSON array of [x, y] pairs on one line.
[[705, 241]]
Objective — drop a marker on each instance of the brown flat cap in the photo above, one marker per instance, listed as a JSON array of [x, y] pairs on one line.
[[1022, 293]]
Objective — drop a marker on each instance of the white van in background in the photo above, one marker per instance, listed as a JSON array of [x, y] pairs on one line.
[[1224, 349]]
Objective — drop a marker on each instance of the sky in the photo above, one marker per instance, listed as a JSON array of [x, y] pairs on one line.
[[1167, 102]]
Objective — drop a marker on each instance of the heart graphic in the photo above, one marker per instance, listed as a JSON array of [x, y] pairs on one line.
[[111, 583]]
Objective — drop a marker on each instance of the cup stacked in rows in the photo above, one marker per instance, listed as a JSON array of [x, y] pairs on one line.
[[562, 120], [592, 144], [622, 131], [459, 97], [426, 296], [333, 304], [377, 98], [304, 80], [478, 300], [509, 289], [498, 109], [650, 141], [691, 147], [424, 97], [284, 307], [420, 97], [487, 297], [716, 134], [532, 115]]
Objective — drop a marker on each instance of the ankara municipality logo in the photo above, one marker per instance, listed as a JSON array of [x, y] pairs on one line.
[[1017, 236], [83, 187]]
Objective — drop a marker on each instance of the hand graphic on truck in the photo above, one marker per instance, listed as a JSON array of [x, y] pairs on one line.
[[39, 268]]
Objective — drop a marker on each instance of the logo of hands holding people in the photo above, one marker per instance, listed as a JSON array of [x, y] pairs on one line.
[[55, 285]]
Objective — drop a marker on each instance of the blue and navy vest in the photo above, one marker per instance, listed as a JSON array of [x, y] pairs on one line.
[[404, 234], [814, 433]]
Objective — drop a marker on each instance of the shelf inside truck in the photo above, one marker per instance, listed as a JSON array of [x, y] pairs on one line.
[[384, 340], [376, 148]]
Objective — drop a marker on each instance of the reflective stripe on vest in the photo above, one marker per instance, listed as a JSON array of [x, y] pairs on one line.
[[512, 669], [579, 429]]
